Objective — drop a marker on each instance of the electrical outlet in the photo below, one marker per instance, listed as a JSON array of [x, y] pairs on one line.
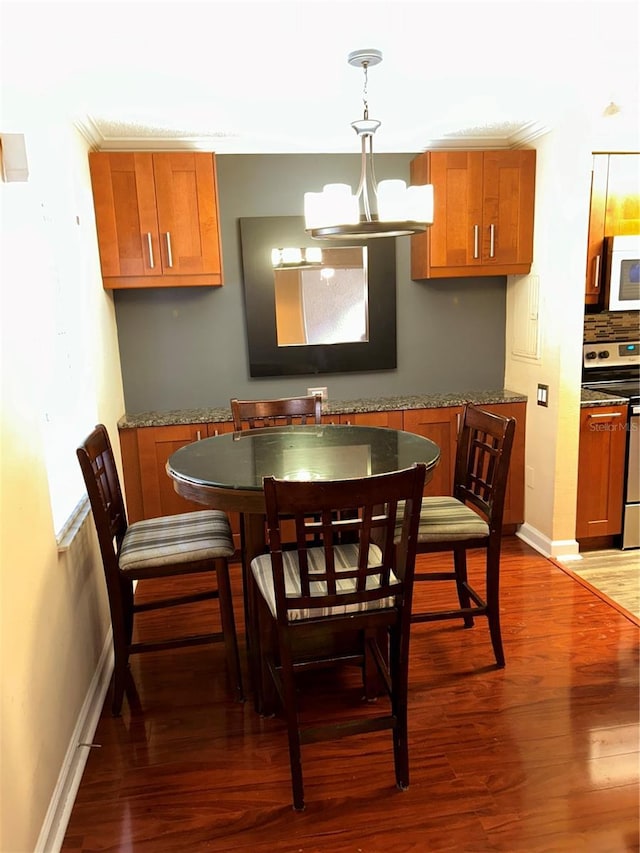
[[543, 395], [321, 391]]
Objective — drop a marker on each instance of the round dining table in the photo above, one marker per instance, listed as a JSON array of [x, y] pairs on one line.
[[226, 472]]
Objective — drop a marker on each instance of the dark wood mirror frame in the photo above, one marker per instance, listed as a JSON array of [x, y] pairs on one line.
[[259, 235]]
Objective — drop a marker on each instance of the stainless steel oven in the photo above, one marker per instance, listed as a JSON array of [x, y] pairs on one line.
[[614, 368]]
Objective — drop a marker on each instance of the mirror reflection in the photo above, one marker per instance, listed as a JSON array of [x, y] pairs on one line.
[[259, 236], [321, 295]]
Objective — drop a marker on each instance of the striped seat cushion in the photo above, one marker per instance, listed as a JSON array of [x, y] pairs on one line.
[[445, 518], [346, 556], [182, 538]]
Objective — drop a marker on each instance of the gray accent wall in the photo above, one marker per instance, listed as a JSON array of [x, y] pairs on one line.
[[186, 348]]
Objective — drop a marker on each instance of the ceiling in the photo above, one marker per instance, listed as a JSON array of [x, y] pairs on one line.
[[273, 77]]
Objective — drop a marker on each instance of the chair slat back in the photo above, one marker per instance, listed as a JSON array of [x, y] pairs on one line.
[[101, 479], [362, 512], [253, 414], [485, 441]]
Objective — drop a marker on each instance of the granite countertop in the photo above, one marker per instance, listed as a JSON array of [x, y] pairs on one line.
[[600, 398], [332, 407]]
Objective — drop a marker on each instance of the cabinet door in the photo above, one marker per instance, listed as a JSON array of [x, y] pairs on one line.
[[514, 496], [186, 192], [125, 207], [622, 215], [614, 210], [155, 446], [450, 243], [441, 426], [601, 471], [597, 210], [507, 213]]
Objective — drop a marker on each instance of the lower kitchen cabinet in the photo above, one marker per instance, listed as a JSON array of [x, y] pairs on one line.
[[601, 459], [149, 489], [441, 426], [150, 493], [514, 496]]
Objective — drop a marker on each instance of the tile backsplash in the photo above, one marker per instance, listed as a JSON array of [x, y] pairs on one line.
[[611, 326]]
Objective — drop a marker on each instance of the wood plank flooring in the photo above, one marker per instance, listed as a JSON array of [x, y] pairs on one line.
[[540, 756], [613, 573]]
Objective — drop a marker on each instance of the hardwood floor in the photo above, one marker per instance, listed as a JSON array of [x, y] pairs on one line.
[[540, 756]]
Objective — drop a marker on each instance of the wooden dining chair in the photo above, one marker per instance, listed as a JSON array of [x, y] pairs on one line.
[[177, 545], [309, 597], [251, 414], [469, 519]]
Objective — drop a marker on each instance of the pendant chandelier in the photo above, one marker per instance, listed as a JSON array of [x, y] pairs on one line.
[[387, 209]]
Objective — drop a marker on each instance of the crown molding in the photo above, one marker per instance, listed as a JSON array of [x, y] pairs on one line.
[[99, 142], [90, 132], [528, 133]]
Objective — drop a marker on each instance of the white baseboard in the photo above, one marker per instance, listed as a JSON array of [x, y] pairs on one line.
[[55, 823], [558, 549]]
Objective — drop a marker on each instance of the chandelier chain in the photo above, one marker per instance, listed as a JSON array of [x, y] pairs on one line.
[[365, 67]]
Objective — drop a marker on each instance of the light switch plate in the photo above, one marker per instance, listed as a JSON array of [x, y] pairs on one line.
[[320, 390], [543, 395]]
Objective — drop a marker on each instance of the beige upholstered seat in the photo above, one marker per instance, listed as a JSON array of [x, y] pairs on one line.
[[176, 539], [445, 518], [346, 560], [189, 543]]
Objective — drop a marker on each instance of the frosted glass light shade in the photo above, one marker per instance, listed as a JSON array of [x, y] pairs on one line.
[[420, 203], [335, 205], [399, 203], [291, 256]]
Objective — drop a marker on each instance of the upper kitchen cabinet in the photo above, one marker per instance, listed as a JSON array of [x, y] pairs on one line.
[[615, 210], [483, 213], [157, 219]]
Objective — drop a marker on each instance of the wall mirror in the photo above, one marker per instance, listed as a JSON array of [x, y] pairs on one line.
[[314, 307]]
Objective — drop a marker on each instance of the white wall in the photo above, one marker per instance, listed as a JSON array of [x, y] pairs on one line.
[[563, 182], [54, 616]]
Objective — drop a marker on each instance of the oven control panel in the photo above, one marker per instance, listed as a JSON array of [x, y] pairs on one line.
[[618, 354]]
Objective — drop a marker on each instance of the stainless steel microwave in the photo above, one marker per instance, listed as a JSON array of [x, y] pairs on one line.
[[622, 273]]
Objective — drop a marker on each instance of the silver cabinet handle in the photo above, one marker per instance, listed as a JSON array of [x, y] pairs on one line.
[[475, 241], [596, 273], [492, 241], [169, 255], [198, 435], [150, 244], [605, 415]]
